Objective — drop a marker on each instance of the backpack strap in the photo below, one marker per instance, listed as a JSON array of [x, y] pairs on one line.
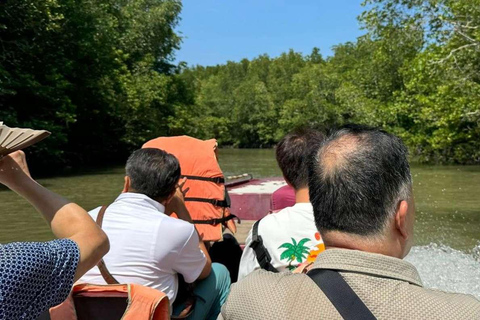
[[107, 276], [340, 294], [263, 257]]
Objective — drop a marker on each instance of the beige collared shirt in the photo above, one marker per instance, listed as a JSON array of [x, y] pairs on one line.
[[391, 288]]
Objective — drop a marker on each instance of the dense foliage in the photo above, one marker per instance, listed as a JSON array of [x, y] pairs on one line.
[[94, 73], [99, 75], [415, 72]]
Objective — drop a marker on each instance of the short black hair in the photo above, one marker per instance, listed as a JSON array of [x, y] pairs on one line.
[[292, 153], [153, 172], [356, 179]]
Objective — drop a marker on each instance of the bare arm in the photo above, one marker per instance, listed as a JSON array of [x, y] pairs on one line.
[[177, 205], [66, 219]]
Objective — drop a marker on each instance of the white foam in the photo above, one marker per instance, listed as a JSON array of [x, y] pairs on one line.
[[444, 268], [262, 188]]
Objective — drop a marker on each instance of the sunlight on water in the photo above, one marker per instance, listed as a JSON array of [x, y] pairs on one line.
[[442, 267]]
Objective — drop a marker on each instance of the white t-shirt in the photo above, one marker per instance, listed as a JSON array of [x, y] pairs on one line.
[[290, 237], [148, 247]]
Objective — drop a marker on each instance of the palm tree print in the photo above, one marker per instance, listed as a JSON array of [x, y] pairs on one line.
[[294, 251]]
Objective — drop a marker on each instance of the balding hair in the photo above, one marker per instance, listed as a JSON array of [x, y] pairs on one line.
[[357, 178]]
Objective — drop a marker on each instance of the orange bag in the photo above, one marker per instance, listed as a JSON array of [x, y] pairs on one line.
[[105, 302], [207, 199]]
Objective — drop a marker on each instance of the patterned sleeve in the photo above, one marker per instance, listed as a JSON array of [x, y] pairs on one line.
[[35, 276]]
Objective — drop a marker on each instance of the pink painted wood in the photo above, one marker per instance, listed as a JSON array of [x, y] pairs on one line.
[[252, 200]]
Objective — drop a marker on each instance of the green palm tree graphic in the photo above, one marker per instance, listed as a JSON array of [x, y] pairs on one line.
[[294, 251]]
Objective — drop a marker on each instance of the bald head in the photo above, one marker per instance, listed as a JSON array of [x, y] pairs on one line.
[[336, 154], [356, 179]]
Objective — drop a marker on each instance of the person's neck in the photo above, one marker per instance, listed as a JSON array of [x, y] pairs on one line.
[[130, 190], [301, 195], [380, 245]]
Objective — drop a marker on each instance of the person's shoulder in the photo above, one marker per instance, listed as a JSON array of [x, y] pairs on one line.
[[278, 216], [176, 223], [59, 256], [177, 226], [434, 304], [268, 295], [264, 280], [39, 248], [295, 210], [300, 212], [457, 302]]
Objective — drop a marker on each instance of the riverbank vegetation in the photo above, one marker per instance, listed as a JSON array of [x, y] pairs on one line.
[[99, 75]]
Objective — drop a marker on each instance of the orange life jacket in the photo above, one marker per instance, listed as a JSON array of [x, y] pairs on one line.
[[207, 199], [125, 301]]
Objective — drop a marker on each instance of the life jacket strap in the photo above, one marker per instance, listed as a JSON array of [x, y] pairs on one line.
[[216, 221], [215, 202], [216, 179]]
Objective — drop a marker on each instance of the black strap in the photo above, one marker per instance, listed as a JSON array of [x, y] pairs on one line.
[[263, 257], [215, 202], [216, 221], [216, 179], [340, 294]]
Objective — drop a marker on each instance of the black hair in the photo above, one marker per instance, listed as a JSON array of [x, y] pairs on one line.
[[292, 153], [153, 172], [356, 179]]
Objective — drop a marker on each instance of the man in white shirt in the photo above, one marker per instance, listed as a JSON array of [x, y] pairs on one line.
[[287, 238], [151, 248]]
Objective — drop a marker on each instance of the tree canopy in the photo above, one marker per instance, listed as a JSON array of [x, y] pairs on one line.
[[100, 76], [95, 73], [415, 72]]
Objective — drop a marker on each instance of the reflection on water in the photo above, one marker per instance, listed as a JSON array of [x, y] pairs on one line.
[[448, 212]]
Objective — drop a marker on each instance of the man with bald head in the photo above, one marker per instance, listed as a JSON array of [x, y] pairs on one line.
[[361, 191]]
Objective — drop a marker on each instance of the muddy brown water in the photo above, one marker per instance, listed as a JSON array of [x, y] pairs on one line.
[[447, 251]]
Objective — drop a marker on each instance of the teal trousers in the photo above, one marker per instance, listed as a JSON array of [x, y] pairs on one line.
[[211, 293]]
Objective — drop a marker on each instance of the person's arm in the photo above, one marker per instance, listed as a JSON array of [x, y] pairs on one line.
[[208, 265], [177, 205], [66, 219]]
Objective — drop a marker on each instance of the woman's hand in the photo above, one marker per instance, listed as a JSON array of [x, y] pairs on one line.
[[13, 167]]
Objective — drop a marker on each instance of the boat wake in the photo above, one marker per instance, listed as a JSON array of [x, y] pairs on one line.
[[444, 268]]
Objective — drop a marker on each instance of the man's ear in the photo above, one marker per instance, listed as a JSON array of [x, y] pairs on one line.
[[401, 221], [169, 198], [126, 185]]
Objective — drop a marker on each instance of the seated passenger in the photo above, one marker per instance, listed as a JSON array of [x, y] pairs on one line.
[[361, 192], [149, 247], [35, 276], [289, 236]]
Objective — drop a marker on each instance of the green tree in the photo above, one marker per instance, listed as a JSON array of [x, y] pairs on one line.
[[95, 73]]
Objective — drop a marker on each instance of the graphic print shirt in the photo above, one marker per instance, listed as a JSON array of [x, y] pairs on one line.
[[290, 237]]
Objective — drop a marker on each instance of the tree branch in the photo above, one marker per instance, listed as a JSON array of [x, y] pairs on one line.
[[454, 51]]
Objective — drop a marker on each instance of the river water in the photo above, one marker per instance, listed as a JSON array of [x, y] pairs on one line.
[[447, 251]]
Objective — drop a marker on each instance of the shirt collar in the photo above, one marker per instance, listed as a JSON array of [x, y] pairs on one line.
[[369, 263], [139, 197]]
